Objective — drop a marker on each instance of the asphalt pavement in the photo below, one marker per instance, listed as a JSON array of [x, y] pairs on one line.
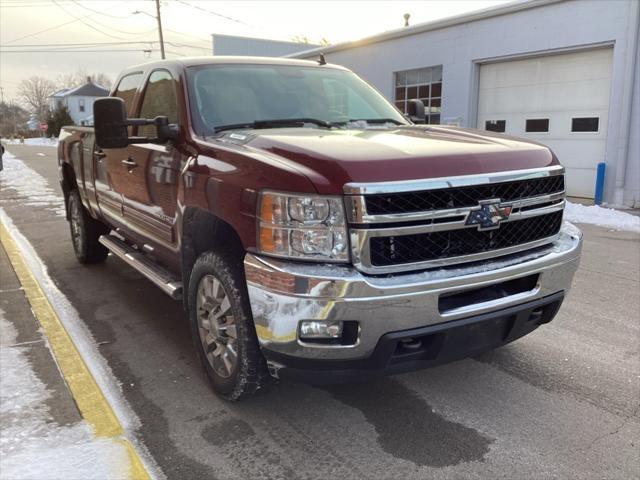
[[562, 402]]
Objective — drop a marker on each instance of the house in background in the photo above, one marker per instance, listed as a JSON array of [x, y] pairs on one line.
[[79, 101]]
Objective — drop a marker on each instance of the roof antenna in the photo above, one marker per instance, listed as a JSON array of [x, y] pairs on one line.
[[406, 16], [322, 60]]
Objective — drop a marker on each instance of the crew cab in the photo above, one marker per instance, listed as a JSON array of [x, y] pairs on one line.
[[310, 228]]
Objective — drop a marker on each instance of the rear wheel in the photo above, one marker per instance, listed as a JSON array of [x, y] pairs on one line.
[[222, 328], [85, 232]]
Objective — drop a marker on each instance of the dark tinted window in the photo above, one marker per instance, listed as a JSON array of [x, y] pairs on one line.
[[127, 88], [159, 99], [537, 125], [495, 125], [586, 124]]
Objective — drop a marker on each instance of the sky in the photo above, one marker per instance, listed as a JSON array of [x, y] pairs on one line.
[[54, 37]]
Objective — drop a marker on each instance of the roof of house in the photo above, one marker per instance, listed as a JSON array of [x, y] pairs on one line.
[[89, 89], [505, 9]]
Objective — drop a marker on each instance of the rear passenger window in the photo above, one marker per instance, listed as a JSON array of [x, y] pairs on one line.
[[127, 89], [159, 99], [537, 125]]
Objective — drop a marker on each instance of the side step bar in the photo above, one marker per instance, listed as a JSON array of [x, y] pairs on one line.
[[154, 272]]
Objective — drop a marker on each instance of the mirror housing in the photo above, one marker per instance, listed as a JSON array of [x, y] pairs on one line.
[[416, 111], [111, 122]]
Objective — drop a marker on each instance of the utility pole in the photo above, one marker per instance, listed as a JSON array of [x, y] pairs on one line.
[[160, 28]]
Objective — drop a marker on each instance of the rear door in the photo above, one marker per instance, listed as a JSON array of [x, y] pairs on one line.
[[111, 174], [150, 202]]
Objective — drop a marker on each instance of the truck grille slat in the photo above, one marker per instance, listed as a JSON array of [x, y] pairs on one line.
[[458, 197], [395, 250]]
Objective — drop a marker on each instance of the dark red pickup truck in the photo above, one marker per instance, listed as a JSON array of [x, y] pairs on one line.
[[310, 228]]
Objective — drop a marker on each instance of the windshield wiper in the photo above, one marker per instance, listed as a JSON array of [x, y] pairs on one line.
[[375, 120], [278, 122]]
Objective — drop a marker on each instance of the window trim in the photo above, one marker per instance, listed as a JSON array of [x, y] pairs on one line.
[[571, 130]]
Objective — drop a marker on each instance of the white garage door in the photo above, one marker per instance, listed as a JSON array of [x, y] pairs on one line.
[[561, 101]]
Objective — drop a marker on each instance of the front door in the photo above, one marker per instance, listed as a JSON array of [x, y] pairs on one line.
[[153, 170]]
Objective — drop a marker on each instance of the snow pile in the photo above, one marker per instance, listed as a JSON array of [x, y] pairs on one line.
[[603, 217], [42, 142], [31, 185], [32, 445], [38, 142]]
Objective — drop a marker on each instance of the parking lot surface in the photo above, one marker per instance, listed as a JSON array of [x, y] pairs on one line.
[[560, 403]]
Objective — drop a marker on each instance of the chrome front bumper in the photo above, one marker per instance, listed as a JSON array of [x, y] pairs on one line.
[[284, 293]]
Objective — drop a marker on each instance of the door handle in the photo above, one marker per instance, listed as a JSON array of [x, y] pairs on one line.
[[100, 155], [129, 163]]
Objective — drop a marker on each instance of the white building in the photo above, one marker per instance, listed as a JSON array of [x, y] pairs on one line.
[[560, 72], [255, 47], [79, 101]]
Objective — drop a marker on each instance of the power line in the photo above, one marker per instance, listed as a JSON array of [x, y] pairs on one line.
[[47, 29], [80, 51], [98, 12], [96, 28], [211, 12]]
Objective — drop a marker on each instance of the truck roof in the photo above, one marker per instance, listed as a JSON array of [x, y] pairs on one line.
[[226, 60]]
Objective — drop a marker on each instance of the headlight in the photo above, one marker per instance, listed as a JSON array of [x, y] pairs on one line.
[[302, 226]]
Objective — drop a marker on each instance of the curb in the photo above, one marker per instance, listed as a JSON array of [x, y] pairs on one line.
[[89, 398]]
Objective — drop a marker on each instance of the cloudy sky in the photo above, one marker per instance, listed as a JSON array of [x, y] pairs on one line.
[[53, 37]]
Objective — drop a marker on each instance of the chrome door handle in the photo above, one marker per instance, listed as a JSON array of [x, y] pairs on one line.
[[100, 155], [129, 163]]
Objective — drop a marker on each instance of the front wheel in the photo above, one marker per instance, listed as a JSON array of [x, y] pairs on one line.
[[222, 328]]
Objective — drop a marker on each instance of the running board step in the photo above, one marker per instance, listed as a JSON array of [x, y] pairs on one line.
[[154, 272]]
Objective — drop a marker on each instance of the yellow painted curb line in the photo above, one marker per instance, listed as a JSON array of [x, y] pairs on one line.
[[90, 400]]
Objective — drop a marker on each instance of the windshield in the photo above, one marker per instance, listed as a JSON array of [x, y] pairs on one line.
[[224, 95]]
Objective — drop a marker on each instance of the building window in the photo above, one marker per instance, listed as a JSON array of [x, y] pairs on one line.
[[537, 125], [495, 125], [81, 104], [423, 84], [585, 124]]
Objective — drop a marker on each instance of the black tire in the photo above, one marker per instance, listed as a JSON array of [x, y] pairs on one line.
[[249, 373], [85, 232]]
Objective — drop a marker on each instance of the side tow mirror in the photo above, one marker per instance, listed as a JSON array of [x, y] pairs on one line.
[[110, 122], [416, 111]]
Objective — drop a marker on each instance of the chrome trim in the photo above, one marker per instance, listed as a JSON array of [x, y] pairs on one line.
[[363, 263], [361, 257], [281, 293], [403, 186], [152, 271], [356, 210]]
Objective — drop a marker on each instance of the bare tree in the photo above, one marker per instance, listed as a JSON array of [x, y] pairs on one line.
[[35, 92], [80, 77]]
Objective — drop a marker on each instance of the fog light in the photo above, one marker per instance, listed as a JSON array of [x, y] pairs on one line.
[[320, 329]]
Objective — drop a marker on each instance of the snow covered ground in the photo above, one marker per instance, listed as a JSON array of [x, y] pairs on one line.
[[41, 142], [603, 217], [30, 184], [32, 444]]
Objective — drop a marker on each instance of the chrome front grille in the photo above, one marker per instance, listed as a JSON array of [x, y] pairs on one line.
[[458, 197], [424, 224]]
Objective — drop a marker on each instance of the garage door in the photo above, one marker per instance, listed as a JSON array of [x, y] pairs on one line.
[[561, 101]]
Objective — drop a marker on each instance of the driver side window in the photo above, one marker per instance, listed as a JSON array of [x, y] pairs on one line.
[[159, 99]]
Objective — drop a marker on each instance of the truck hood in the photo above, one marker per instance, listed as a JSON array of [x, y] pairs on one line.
[[332, 158]]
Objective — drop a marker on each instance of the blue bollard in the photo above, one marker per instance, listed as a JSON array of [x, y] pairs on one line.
[[599, 182]]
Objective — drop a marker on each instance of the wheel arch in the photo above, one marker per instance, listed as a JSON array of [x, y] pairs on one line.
[[203, 231]]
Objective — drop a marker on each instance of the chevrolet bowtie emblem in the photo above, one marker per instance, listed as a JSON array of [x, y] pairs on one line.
[[488, 215]]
